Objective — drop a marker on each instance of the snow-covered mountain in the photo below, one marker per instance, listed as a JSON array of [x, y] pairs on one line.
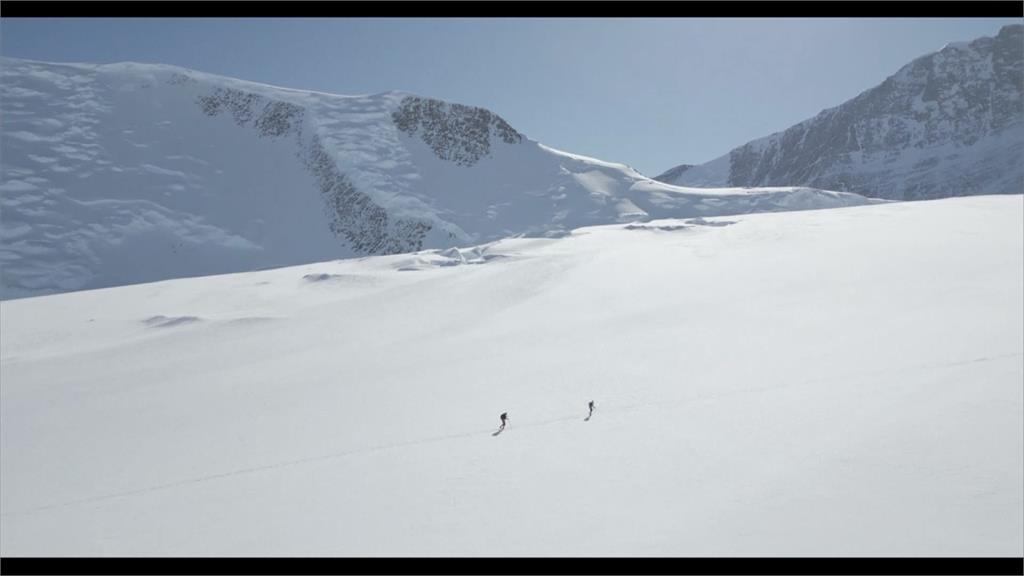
[[948, 124], [124, 173], [766, 385]]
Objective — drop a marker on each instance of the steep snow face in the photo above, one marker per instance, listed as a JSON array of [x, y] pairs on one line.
[[833, 382], [123, 173], [948, 124]]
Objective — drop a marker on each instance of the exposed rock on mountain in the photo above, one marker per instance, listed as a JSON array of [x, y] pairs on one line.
[[124, 173], [948, 124]]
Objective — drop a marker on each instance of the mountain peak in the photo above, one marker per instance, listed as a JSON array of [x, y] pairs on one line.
[[946, 124]]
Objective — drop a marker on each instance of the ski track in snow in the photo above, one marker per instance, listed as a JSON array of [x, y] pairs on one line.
[[626, 408]]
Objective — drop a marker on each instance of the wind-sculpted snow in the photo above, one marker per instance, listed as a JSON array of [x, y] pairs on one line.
[[126, 173], [453, 256], [178, 78], [457, 133], [948, 124], [161, 321], [675, 225]]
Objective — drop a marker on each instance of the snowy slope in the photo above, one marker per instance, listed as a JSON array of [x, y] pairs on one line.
[[832, 382], [123, 173], [949, 123]]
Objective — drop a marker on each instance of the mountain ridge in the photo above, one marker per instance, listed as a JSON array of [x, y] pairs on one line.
[[124, 173], [948, 123]]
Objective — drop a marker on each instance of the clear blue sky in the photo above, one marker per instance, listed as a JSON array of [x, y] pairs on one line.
[[651, 93]]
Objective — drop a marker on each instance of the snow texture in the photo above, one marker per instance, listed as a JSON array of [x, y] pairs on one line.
[[838, 382]]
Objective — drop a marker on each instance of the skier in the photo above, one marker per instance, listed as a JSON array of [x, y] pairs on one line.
[[504, 417], [591, 406]]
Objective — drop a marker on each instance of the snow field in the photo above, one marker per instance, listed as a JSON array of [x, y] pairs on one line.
[[829, 382]]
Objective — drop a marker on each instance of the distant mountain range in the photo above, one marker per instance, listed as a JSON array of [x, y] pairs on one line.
[[948, 124]]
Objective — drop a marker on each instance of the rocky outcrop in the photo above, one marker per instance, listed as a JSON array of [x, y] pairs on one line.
[[457, 133], [270, 118], [353, 216]]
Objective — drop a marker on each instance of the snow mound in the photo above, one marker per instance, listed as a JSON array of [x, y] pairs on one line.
[[166, 322], [327, 277], [453, 256], [675, 225]]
